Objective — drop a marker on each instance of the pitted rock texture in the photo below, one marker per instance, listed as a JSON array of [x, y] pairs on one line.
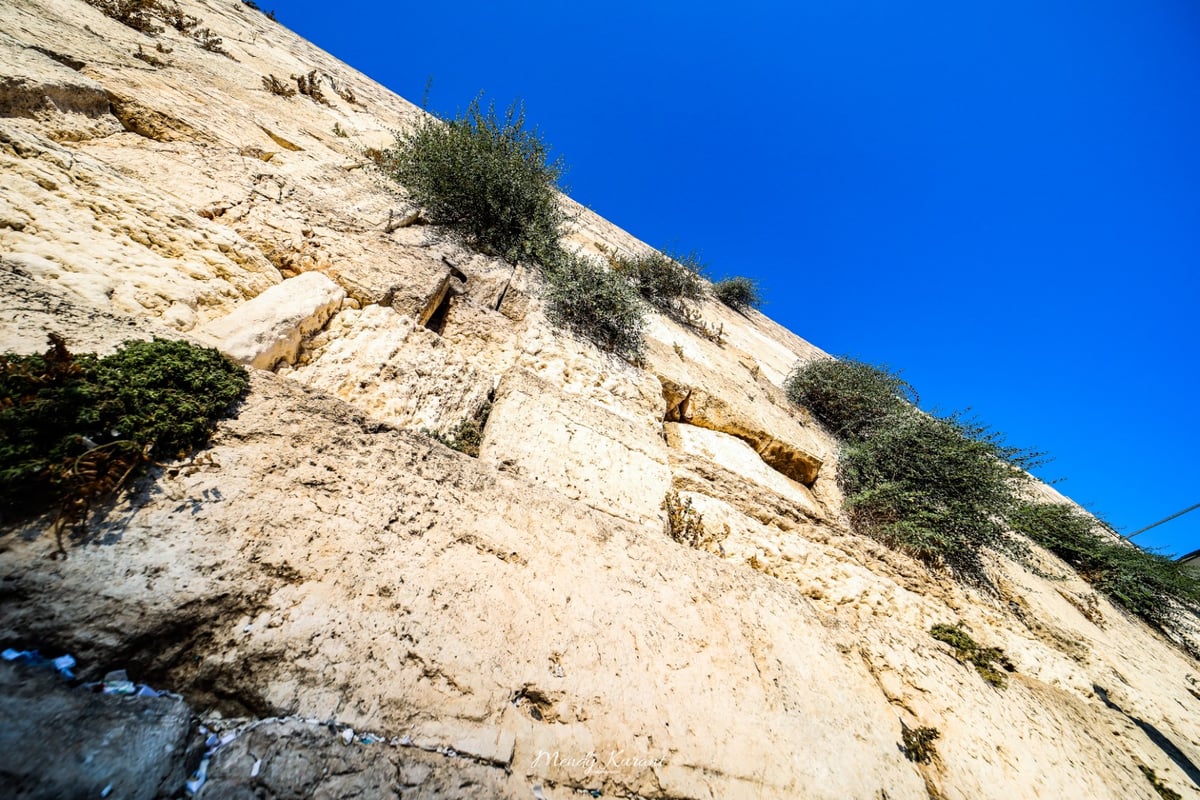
[[524, 618], [291, 760]]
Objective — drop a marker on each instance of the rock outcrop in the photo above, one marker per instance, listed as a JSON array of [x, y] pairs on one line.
[[520, 624]]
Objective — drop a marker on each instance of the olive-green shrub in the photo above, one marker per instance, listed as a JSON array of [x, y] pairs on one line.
[[75, 428], [487, 178], [937, 488], [598, 304], [739, 293], [1151, 585], [986, 660], [665, 280], [846, 396]]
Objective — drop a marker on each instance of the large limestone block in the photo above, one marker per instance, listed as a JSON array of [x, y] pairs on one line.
[[722, 389], [740, 458], [269, 329], [117, 242], [615, 464], [386, 364]]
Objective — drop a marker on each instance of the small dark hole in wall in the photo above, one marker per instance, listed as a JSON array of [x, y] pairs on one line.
[[437, 320]]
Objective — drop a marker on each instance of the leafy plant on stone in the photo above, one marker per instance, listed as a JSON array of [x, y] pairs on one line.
[[684, 523], [277, 87], [211, 42], [486, 177], [75, 429], [136, 14], [968, 651], [918, 743], [150, 58], [597, 303], [667, 281], [739, 293], [937, 488], [309, 85], [1152, 586], [174, 16], [467, 435], [846, 396]]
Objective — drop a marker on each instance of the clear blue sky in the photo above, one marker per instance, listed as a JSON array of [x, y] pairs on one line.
[[1000, 198]]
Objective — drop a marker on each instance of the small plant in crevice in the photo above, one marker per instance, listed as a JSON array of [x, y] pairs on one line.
[[684, 523], [345, 92], [277, 87], [309, 85], [467, 435], [968, 651], [75, 429], [739, 293], [150, 58], [339, 131], [136, 14], [174, 16], [211, 42], [918, 744], [1164, 791]]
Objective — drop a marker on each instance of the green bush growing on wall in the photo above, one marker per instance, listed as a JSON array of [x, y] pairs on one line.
[[1150, 585], [848, 397], [739, 293], [487, 178], [75, 428], [667, 281], [937, 488], [598, 304]]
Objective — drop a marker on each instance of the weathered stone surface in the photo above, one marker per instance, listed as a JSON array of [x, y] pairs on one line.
[[736, 456], [57, 742], [525, 609], [716, 387], [38, 85], [293, 759], [33, 308], [376, 577], [396, 370], [119, 244], [269, 329], [613, 464]]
